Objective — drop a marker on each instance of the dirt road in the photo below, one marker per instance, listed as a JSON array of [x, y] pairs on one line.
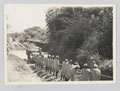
[[19, 71]]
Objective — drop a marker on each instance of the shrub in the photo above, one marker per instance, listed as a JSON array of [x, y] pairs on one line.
[[107, 69]]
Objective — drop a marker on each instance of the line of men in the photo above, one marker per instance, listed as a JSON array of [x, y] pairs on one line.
[[68, 70]]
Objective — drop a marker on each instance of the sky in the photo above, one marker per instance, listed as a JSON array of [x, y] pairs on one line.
[[21, 17]]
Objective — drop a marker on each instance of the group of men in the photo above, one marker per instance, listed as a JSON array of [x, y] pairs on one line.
[[68, 71], [72, 72], [49, 64]]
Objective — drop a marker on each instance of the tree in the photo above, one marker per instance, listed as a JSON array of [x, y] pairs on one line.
[[74, 29]]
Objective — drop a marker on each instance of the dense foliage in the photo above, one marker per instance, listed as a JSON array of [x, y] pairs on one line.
[[76, 33]]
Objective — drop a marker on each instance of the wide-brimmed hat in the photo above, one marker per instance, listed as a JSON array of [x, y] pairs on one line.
[[91, 58], [95, 66], [77, 67], [57, 56], [66, 60], [76, 63], [93, 62], [85, 65], [70, 60], [49, 56], [53, 56]]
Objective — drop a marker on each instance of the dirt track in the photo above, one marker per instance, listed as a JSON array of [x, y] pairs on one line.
[[19, 71]]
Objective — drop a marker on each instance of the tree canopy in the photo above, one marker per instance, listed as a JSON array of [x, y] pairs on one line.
[[76, 32]]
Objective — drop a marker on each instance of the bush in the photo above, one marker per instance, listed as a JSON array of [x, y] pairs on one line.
[[107, 69]]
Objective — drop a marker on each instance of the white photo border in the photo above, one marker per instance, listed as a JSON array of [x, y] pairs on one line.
[[56, 83]]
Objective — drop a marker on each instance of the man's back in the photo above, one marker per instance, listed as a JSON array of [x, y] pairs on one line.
[[66, 69], [57, 64], [69, 70], [85, 74], [63, 67], [73, 72], [95, 74]]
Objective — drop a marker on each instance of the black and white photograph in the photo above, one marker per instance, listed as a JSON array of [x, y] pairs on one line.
[[59, 43]]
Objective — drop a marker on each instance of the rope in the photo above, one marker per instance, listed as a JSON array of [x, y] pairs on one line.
[[107, 76]]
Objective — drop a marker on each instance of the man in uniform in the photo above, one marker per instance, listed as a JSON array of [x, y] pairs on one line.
[[28, 52], [85, 73], [63, 71], [74, 71], [8, 51], [69, 69], [66, 70], [47, 59], [35, 59], [41, 62], [52, 64], [44, 61], [47, 63], [56, 66], [38, 61], [39, 50], [95, 73]]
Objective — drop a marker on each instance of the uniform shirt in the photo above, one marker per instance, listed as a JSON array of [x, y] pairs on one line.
[[85, 74], [37, 60], [34, 58], [45, 62], [63, 68], [54, 64], [57, 65], [73, 72], [67, 70], [95, 74], [28, 52], [50, 63], [42, 61], [47, 59]]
